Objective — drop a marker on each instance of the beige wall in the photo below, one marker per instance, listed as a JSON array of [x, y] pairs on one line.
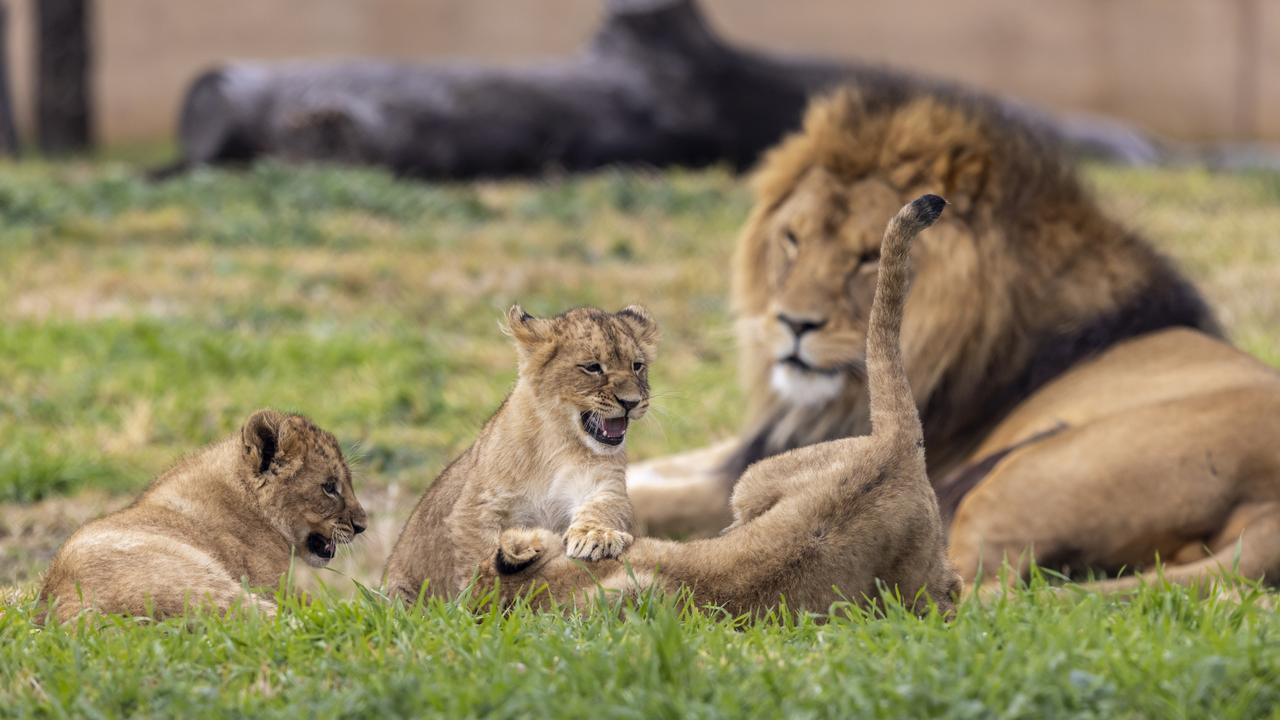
[[1177, 67]]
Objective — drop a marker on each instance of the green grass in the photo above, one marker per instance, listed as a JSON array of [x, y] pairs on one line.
[[140, 321], [1165, 654], [168, 312]]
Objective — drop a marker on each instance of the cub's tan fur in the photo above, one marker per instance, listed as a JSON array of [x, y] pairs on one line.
[[536, 463], [1078, 400], [818, 524], [231, 516]]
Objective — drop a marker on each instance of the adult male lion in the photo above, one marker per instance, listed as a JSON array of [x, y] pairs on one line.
[[1078, 400]]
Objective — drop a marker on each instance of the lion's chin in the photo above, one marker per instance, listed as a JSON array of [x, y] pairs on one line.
[[805, 387]]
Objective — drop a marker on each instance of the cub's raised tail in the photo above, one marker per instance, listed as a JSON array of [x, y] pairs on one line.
[[893, 407]]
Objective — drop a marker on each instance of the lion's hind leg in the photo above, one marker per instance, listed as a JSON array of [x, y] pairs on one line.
[[767, 482], [1248, 547], [1120, 491], [154, 586], [138, 572]]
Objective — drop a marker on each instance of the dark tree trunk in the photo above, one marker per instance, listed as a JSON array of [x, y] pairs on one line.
[[8, 129], [63, 97], [655, 86]]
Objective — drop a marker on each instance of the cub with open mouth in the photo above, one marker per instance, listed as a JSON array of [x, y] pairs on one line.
[[553, 456], [229, 517]]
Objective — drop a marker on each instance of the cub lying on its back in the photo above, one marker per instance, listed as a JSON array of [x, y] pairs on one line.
[[551, 457], [233, 513]]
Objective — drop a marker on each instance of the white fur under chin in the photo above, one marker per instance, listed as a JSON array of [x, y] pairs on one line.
[[805, 388]]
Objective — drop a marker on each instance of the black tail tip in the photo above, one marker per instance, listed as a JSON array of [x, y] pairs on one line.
[[928, 208], [507, 566]]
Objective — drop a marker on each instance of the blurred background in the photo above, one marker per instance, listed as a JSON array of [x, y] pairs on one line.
[[1191, 70]]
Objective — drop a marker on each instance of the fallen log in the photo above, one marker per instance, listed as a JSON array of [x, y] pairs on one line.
[[655, 86]]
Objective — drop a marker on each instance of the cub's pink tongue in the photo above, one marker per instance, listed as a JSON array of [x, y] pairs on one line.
[[614, 427]]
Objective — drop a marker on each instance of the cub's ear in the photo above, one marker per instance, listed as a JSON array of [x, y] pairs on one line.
[[642, 325], [529, 331], [268, 436], [260, 438]]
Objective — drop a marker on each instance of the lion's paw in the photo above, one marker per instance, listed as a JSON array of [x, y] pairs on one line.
[[518, 548], [585, 541]]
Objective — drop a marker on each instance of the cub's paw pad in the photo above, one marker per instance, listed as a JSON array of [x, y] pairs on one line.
[[517, 550], [592, 542]]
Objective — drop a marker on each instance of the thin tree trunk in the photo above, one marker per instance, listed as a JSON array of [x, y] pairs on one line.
[[8, 129], [63, 96]]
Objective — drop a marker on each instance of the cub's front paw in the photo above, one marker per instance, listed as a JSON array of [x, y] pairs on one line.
[[585, 541]]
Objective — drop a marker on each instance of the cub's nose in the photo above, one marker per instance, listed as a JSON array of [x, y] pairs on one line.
[[627, 405], [800, 326], [358, 526]]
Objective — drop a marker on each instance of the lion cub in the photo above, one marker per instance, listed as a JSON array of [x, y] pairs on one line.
[[551, 457], [841, 520], [233, 514]]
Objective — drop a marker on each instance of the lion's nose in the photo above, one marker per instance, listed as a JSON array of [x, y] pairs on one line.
[[800, 326], [627, 405], [358, 526]]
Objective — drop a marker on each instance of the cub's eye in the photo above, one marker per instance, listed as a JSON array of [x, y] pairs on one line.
[[637, 366], [790, 243], [591, 368], [330, 487]]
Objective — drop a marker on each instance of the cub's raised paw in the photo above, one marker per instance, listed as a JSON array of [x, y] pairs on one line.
[[518, 548], [584, 541]]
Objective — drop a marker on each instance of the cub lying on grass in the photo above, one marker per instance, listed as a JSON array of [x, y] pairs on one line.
[[552, 456], [231, 515], [819, 524]]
